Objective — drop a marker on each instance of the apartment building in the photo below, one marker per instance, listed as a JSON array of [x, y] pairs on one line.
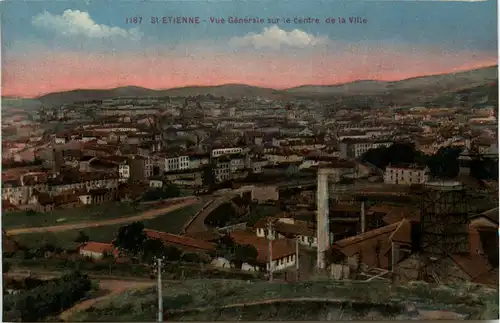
[[355, 148], [226, 151], [406, 175]]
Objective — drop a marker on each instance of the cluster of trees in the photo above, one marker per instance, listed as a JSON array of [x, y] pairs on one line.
[[485, 169], [39, 252], [132, 240], [47, 299], [165, 192], [221, 216], [236, 253], [399, 153], [23, 284], [443, 164]]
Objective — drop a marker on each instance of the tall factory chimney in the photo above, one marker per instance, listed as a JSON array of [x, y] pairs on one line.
[[57, 159], [323, 225]]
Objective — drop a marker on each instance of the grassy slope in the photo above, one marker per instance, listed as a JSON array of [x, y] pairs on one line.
[[15, 220], [140, 304], [172, 222]]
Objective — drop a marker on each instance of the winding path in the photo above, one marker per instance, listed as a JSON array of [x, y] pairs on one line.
[[147, 215], [197, 223], [114, 287]]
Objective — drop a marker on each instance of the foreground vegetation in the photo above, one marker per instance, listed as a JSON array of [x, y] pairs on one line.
[[47, 299], [172, 269], [181, 298]]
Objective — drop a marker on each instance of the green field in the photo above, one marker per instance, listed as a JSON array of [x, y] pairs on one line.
[[26, 219], [471, 300], [172, 222]]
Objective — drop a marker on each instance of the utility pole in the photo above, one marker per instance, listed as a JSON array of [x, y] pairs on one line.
[[297, 256], [270, 249], [160, 296]]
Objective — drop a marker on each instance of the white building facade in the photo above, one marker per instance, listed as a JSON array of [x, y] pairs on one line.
[[406, 175]]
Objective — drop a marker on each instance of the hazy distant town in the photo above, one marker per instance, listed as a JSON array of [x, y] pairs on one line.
[[346, 183]]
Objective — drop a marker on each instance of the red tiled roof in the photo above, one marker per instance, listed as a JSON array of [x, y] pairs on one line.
[[8, 244], [473, 265], [262, 223], [7, 205], [366, 245], [352, 245], [489, 278], [98, 247], [402, 234], [281, 247], [204, 235], [296, 228], [179, 240]]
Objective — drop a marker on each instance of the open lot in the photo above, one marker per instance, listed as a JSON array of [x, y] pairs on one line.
[[171, 222], [25, 219]]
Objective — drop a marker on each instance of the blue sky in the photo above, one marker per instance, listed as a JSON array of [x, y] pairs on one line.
[[456, 24], [433, 36]]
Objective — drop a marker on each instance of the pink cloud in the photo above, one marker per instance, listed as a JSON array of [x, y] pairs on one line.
[[36, 74]]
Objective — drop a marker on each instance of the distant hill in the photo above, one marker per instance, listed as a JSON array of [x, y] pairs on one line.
[[228, 90], [446, 82], [90, 94], [428, 86]]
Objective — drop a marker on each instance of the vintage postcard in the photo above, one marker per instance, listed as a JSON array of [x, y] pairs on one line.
[[249, 160]]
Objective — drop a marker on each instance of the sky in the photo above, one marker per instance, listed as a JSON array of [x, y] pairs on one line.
[[50, 46]]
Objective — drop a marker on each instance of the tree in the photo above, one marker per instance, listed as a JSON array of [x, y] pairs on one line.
[[5, 266], [46, 248], [221, 216], [152, 248], [245, 253], [191, 257], [167, 191], [172, 253], [444, 163], [398, 153], [82, 237], [130, 237], [170, 191], [153, 194], [226, 242], [484, 169], [208, 177], [46, 299]]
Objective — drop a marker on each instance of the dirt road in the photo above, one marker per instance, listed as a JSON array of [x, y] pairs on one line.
[[151, 214], [197, 223], [114, 287]]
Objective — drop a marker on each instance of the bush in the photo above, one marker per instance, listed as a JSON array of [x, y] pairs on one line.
[[192, 257], [46, 299]]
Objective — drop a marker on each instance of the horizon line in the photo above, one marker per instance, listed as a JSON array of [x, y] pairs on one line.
[[262, 87]]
